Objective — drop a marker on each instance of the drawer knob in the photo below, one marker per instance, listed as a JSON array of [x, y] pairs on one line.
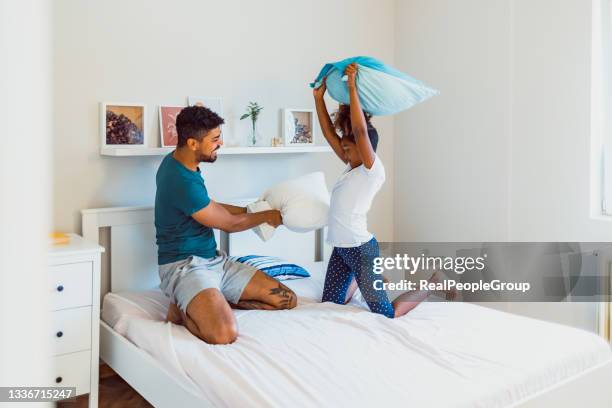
[[59, 334], [60, 288], [58, 380]]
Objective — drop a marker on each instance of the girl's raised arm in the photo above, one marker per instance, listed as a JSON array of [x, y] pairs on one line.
[[327, 127], [358, 121]]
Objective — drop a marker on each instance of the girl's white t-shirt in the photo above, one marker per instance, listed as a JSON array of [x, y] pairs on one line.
[[351, 199]]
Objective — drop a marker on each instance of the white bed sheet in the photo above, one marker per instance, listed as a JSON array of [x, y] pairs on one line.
[[321, 354]]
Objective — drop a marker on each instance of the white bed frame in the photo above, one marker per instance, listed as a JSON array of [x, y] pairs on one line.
[[133, 267]]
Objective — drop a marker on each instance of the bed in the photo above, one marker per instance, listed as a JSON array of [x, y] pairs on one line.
[[320, 354]]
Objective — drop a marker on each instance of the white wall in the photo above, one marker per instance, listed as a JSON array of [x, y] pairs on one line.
[[504, 152], [160, 52], [551, 165], [451, 152], [551, 151], [25, 96]]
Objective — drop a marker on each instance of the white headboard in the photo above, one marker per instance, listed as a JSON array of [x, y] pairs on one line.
[[132, 250]]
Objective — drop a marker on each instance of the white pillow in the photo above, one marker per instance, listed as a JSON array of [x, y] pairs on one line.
[[303, 203]]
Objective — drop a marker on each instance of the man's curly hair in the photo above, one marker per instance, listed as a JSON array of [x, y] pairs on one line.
[[194, 122]]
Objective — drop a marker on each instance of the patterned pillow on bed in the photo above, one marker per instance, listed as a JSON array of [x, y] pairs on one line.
[[273, 266]]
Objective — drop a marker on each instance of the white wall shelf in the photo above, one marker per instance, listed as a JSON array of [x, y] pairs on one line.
[[160, 151]]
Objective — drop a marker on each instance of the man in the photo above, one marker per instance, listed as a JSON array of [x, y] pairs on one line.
[[202, 283]]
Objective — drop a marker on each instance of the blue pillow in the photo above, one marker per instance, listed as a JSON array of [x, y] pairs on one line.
[[382, 89], [272, 266]]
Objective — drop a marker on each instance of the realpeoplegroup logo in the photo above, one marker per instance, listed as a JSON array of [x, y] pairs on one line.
[[434, 264], [497, 271]]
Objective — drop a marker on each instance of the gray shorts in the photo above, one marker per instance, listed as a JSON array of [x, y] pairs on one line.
[[181, 281]]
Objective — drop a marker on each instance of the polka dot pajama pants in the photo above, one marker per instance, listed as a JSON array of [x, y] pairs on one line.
[[357, 262]]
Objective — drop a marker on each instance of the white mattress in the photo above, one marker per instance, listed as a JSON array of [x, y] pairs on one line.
[[321, 354]]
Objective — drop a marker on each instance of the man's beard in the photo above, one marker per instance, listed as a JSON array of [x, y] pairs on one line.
[[208, 159]]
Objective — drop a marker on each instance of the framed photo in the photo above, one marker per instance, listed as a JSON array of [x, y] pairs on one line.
[[298, 127], [123, 124], [167, 125]]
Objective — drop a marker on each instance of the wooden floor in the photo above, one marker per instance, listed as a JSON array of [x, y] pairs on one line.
[[114, 393]]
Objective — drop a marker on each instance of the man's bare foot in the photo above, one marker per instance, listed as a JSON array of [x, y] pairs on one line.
[[174, 314], [450, 294]]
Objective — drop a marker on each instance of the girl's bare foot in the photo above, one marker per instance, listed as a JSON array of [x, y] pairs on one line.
[[174, 314], [408, 301]]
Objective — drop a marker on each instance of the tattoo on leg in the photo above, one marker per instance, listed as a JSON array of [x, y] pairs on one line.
[[285, 294], [252, 305]]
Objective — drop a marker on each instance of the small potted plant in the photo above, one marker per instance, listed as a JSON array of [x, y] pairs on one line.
[[252, 111]]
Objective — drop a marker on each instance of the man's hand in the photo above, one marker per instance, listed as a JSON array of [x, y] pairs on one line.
[[274, 218], [351, 73], [320, 91]]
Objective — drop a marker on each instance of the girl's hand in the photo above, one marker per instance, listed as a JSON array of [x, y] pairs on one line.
[[351, 73], [320, 91]]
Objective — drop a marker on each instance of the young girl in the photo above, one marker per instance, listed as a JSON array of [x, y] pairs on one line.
[[351, 262]]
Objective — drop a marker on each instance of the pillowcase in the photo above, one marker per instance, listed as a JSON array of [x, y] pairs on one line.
[[303, 203], [263, 231], [274, 267], [382, 89]]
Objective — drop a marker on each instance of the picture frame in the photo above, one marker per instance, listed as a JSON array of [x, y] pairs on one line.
[[123, 125], [299, 127], [167, 125]]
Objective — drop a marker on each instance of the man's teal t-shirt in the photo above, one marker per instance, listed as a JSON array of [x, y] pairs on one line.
[[180, 193]]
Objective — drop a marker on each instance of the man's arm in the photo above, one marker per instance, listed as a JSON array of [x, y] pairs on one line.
[[215, 215], [233, 209]]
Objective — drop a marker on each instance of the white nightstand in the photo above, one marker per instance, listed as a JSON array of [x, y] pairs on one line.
[[74, 286]]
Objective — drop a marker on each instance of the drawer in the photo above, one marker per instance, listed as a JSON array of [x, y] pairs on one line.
[[72, 370], [70, 285], [71, 330]]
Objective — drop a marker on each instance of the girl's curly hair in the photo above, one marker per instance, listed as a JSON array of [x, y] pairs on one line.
[[342, 122]]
